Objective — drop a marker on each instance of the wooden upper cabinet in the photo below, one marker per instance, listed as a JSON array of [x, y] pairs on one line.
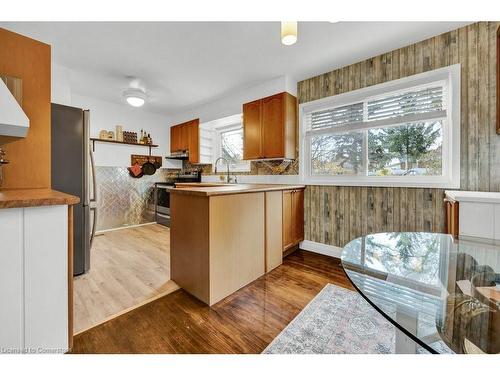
[[293, 218], [269, 127], [252, 130], [186, 137], [175, 139], [273, 126], [193, 145]]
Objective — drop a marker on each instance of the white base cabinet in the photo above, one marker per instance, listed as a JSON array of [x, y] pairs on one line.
[[478, 220], [34, 279], [478, 213]]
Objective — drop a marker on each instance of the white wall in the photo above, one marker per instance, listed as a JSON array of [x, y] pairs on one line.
[[60, 84], [106, 115], [232, 104]]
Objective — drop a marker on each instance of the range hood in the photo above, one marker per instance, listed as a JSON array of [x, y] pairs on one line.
[[13, 120], [178, 155]]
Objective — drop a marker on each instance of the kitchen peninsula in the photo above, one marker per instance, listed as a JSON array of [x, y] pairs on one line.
[[225, 236]]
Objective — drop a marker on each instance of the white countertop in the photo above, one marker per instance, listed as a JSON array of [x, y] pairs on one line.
[[473, 196]]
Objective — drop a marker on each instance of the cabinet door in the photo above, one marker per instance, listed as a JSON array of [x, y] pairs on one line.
[[272, 126], [476, 219], [252, 131], [175, 141], [288, 226], [298, 215], [46, 277], [184, 137], [274, 229], [194, 141], [11, 276]]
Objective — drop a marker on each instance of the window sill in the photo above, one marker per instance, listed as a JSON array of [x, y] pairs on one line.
[[417, 182]]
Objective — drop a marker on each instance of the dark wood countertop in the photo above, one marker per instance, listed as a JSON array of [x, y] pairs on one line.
[[208, 189], [12, 198]]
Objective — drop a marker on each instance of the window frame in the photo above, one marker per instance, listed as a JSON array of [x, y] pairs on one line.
[[221, 126], [450, 129]]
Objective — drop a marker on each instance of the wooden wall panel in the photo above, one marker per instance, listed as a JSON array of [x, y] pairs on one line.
[[335, 214], [29, 60]]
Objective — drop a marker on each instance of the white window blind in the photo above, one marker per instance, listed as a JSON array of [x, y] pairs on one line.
[[424, 100], [335, 116], [411, 105]]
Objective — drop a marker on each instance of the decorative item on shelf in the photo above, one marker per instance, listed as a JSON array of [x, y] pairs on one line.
[[111, 135], [103, 134], [130, 137], [119, 133]]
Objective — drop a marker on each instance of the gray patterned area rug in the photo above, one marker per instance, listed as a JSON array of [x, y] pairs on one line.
[[337, 321]]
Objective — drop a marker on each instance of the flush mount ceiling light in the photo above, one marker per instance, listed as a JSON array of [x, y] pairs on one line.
[[288, 33], [135, 97]]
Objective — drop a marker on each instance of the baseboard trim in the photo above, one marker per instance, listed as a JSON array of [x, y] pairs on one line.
[[321, 248], [126, 227]]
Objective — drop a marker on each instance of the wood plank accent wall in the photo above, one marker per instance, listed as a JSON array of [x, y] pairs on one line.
[[29, 157], [335, 215]]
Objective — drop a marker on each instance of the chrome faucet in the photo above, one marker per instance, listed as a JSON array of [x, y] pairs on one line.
[[228, 178]]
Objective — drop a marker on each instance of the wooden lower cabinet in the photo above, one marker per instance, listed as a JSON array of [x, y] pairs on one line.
[[274, 228], [293, 218]]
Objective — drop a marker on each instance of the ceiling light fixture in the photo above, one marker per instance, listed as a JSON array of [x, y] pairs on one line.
[[288, 33], [135, 97]]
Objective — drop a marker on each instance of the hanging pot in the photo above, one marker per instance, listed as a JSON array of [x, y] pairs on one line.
[[148, 168]]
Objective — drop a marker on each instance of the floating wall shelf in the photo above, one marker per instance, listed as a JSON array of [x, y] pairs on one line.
[[94, 140]]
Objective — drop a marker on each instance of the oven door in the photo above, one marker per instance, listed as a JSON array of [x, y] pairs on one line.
[[162, 209]]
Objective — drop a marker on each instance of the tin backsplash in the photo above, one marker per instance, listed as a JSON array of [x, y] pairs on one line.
[[122, 200]]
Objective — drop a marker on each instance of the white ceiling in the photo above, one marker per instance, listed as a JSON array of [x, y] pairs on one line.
[[186, 64]]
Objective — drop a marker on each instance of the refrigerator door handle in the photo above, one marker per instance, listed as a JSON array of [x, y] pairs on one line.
[[94, 183], [86, 147], [94, 221]]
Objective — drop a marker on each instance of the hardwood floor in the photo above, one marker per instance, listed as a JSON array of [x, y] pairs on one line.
[[245, 322], [128, 266]]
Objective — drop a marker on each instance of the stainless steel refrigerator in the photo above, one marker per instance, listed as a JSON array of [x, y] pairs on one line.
[[73, 172]]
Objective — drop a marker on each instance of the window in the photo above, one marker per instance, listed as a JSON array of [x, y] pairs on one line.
[[400, 133], [225, 139], [230, 142]]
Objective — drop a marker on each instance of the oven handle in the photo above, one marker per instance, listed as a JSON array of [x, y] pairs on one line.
[[165, 187]]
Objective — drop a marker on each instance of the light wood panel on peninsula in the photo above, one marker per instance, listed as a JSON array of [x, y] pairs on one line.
[[222, 242]]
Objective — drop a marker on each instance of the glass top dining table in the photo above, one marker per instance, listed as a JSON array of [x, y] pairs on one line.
[[440, 292]]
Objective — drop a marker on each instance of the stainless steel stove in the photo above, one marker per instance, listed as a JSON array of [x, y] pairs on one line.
[[162, 196]]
